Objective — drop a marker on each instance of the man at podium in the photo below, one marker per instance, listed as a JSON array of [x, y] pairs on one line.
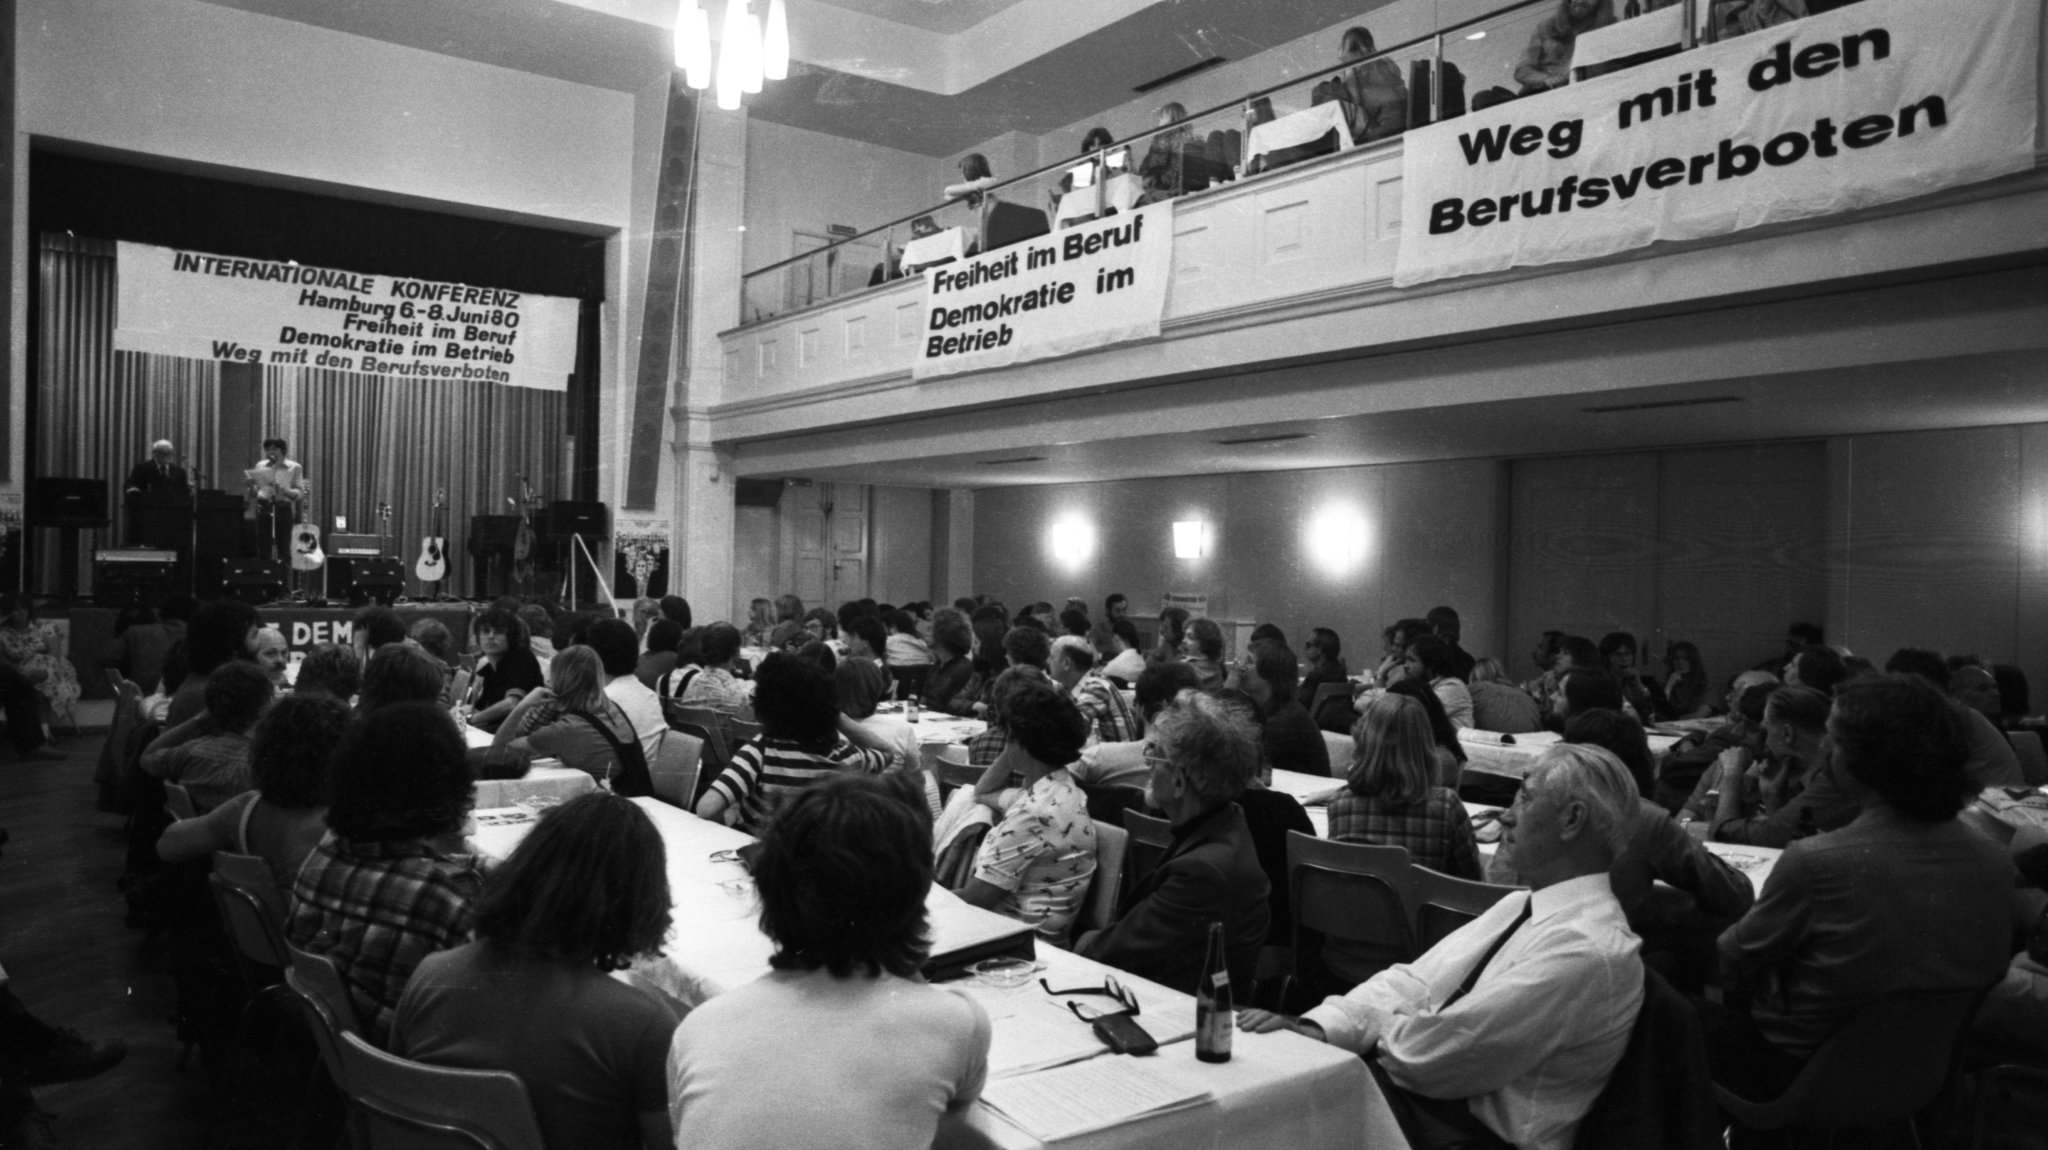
[[159, 472]]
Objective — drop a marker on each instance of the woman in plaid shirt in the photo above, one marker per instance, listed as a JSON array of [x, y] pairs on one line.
[[1391, 798]]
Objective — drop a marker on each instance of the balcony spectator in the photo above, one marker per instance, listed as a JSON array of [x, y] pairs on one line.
[[976, 177], [1547, 62], [1177, 161], [1374, 97]]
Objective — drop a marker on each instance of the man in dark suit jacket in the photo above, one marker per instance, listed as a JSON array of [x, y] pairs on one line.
[[1200, 757], [1290, 738], [157, 473]]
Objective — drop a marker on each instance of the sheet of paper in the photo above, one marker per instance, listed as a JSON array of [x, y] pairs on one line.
[[1095, 1095], [1037, 1039]]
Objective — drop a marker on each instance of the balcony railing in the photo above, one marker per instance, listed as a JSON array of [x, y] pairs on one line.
[[1422, 81]]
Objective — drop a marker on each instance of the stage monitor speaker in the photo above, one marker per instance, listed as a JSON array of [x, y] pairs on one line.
[[378, 579], [253, 580], [55, 501], [573, 517], [492, 535]]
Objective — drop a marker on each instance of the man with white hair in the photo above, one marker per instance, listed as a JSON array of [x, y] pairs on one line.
[[160, 472], [1072, 666], [1506, 1031]]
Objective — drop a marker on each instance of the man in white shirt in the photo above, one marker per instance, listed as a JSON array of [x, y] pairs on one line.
[[619, 650], [1506, 1032]]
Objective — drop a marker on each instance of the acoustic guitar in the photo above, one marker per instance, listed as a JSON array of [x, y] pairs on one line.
[[306, 553], [433, 564]]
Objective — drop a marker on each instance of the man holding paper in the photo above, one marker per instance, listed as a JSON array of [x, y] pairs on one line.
[[275, 486]]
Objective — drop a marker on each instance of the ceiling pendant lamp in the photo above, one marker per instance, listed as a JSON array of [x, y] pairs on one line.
[[741, 47], [693, 44], [775, 42]]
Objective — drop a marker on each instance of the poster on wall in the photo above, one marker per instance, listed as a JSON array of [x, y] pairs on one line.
[[1195, 603], [1077, 289], [286, 314], [1867, 104]]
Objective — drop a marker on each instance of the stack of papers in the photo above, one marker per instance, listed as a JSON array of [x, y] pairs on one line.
[[1082, 1098]]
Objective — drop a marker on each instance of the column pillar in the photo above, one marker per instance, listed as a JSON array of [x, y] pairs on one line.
[[960, 543], [700, 560]]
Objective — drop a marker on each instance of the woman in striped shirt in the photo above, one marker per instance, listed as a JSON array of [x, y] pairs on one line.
[[799, 744]]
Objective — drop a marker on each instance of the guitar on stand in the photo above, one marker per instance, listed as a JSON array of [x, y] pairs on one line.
[[523, 542], [306, 554], [433, 564]]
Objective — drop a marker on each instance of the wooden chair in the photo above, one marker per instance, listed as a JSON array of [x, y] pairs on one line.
[[1150, 838], [246, 895], [1358, 897], [405, 1105], [675, 767], [111, 774], [1334, 695], [2033, 757], [1889, 1061], [1106, 888], [178, 801], [1443, 903]]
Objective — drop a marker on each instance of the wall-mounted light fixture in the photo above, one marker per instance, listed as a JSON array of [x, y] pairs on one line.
[[1073, 540], [1337, 539], [1190, 539]]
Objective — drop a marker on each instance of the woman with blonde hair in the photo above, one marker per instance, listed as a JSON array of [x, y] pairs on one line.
[[1391, 796], [576, 722]]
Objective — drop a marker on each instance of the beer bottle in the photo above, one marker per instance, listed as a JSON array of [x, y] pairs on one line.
[[1215, 1017]]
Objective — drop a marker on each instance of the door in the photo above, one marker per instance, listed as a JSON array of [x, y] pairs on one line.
[[830, 533]]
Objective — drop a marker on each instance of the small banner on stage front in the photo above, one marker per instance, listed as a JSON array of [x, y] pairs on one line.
[[1867, 104], [1077, 289], [285, 314]]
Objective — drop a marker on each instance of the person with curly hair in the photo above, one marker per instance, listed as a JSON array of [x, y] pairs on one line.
[[386, 887], [584, 895], [800, 744], [874, 1054]]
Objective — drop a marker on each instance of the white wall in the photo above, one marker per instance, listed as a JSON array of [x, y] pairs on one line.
[[799, 179], [900, 544]]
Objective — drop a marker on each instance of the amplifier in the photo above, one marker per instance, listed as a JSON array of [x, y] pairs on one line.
[[378, 579], [135, 555], [344, 546], [253, 580]]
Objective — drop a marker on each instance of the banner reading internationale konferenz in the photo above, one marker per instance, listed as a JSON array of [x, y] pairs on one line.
[[284, 314], [1867, 104]]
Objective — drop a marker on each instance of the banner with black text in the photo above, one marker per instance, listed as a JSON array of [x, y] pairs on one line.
[[286, 314], [1867, 104], [1076, 289]]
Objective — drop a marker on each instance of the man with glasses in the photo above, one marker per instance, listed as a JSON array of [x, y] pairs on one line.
[[1507, 1030], [1200, 758]]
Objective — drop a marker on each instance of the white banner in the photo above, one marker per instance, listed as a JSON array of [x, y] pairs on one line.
[[1101, 283], [201, 306], [1874, 102]]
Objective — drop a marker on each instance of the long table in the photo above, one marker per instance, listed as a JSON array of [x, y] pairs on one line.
[[1278, 1089], [547, 779]]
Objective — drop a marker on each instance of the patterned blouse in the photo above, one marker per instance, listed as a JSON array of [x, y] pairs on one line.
[[1042, 855]]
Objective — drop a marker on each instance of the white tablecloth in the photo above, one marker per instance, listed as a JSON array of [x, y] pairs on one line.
[[1514, 760], [554, 782], [1297, 128], [1278, 1089], [1121, 192], [950, 244]]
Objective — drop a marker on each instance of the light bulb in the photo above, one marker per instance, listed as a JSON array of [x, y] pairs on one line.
[[775, 42]]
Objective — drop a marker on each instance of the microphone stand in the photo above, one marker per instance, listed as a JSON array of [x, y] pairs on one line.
[[193, 478]]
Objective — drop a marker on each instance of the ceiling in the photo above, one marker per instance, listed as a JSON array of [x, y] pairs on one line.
[[928, 76]]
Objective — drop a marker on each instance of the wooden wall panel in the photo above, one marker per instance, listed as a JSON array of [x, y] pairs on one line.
[[1447, 545], [1582, 549]]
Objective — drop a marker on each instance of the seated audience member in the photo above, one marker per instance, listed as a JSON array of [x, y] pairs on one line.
[[506, 670], [1991, 761], [284, 817], [542, 629], [1173, 623], [1791, 792], [1289, 739], [821, 625], [1619, 657], [903, 647], [273, 657], [1391, 796], [1203, 649], [2015, 1014], [1507, 1030], [1429, 659], [1974, 686], [1705, 895], [1116, 607], [142, 642], [1036, 863], [1498, 705], [1074, 621], [951, 686], [645, 612], [1450, 750], [1094, 141], [1201, 756], [788, 609], [1582, 689], [1903, 898], [432, 636], [1547, 61], [662, 638], [760, 621], [584, 895], [1394, 650], [400, 673], [1375, 98], [975, 178], [616, 647], [2014, 700], [1798, 637], [376, 626], [1025, 649], [1685, 691], [678, 608], [799, 744], [1687, 762], [209, 754], [841, 878], [1072, 666], [576, 722], [383, 890], [220, 631], [1445, 624], [859, 687], [718, 685], [1324, 655], [1544, 656], [789, 637], [864, 638], [1125, 662], [1123, 764], [330, 669], [1816, 666]]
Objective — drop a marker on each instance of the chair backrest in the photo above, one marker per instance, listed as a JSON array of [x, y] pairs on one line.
[[1004, 224], [1890, 1059], [744, 731], [110, 771], [2032, 755], [674, 769], [1107, 886], [1150, 838], [1660, 1092], [178, 801], [1443, 903], [1358, 897], [241, 882], [329, 1011], [402, 1105], [1336, 696]]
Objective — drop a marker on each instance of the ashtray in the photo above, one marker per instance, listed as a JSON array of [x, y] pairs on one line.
[[1005, 973]]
